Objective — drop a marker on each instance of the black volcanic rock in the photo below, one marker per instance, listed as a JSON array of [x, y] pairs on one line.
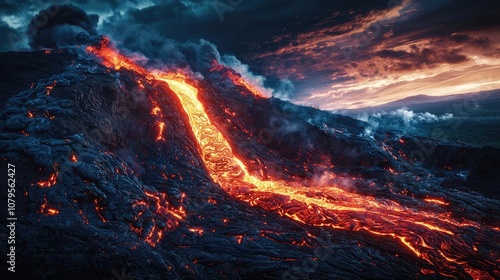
[[15, 81], [95, 186]]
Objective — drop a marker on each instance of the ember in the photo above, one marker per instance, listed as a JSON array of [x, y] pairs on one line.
[[47, 210], [51, 181], [50, 87]]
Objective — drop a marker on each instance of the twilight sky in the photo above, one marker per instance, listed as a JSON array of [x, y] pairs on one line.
[[332, 54]]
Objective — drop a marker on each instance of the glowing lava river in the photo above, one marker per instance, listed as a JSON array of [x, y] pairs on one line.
[[426, 228]]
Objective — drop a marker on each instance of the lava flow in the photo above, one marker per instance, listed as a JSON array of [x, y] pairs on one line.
[[235, 78], [426, 228]]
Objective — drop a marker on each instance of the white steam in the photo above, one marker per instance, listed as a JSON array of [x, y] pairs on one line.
[[255, 80], [283, 91], [402, 119]]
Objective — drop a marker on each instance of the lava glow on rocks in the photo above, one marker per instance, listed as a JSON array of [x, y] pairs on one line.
[[424, 227], [52, 180]]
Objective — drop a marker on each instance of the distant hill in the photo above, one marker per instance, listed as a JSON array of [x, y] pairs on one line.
[[476, 116]]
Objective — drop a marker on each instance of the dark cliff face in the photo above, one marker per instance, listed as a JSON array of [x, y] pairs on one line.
[[101, 193]]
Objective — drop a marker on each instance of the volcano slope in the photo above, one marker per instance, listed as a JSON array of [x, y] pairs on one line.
[[114, 181]]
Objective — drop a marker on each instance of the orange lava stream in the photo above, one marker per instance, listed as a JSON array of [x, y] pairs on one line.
[[432, 236], [229, 171], [436, 201]]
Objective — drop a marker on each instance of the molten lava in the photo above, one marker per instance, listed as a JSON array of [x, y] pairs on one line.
[[113, 59], [436, 201], [52, 180], [161, 126], [47, 210], [168, 216], [428, 232], [50, 87]]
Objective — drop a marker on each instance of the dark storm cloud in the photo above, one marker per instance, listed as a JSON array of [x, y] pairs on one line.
[[102, 4], [29, 7], [17, 15], [12, 6], [235, 28], [417, 57], [59, 26], [483, 42], [453, 49], [7, 38], [445, 16]]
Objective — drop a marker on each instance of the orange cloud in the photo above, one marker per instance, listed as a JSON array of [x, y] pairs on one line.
[[367, 61], [454, 65]]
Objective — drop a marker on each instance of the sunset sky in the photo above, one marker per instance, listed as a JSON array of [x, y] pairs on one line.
[[332, 54]]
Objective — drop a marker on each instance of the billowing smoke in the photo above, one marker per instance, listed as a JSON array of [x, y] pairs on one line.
[[256, 80], [60, 26], [197, 56], [200, 55], [401, 119], [284, 90], [161, 52], [66, 25]]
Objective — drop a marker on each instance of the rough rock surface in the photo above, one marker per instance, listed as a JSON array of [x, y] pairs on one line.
[[95, 189]]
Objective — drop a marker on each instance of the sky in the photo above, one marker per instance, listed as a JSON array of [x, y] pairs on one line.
[[325, 53]]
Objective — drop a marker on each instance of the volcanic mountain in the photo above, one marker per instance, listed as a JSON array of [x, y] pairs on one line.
[[128, 172]]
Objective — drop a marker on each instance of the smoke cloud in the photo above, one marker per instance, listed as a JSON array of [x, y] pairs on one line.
[[67, 25], [282, 90], [285, 90], [255, 80], [60, 26], [197, 56], [161, 52]]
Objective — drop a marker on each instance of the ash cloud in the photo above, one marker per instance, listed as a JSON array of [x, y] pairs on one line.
[[197, 56], [161, 52], [62, 25], [67, 25]]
